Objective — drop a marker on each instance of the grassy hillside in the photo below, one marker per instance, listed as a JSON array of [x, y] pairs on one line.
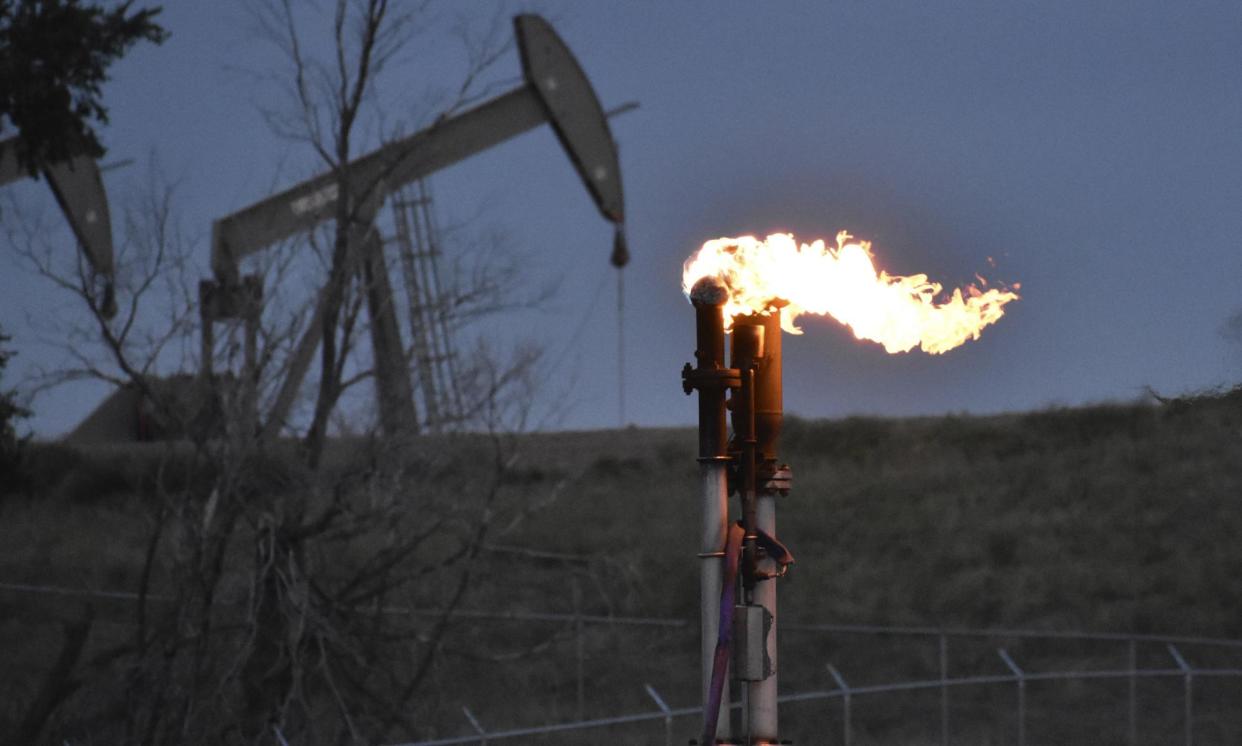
[[1111, 518]]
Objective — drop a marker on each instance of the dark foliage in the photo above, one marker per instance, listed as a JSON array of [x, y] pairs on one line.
[[54, 57]]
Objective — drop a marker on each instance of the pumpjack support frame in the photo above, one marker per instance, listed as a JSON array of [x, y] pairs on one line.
[[556, 91]]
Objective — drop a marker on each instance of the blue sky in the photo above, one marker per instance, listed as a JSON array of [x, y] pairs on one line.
[[1091, 150]]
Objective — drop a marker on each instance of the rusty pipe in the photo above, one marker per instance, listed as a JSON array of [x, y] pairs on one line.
[[769, 397], [747, 353], [772, 478], [710, 377]]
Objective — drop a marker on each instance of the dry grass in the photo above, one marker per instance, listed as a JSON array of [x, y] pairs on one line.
[[1117, 518]]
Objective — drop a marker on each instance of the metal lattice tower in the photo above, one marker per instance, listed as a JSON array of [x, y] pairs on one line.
[[431, 351]]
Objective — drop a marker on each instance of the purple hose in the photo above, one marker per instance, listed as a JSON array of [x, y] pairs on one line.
[[720, 662]]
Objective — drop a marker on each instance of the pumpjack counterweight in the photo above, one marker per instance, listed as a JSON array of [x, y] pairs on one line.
[[79, 190]]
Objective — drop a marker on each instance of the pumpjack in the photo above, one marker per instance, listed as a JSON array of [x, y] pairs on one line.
[[555, 91], [79, 190]]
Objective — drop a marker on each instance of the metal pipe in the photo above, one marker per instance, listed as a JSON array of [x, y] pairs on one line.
[[715, 500], [769, 413], [746, 351], [769, 397], [771, 480], [711, 379], [709, 296], [762, 711]]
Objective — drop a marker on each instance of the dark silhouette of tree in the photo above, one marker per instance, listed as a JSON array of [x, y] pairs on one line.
[[54, 57]]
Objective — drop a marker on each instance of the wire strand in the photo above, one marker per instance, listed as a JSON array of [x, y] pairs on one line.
[[620, 347]]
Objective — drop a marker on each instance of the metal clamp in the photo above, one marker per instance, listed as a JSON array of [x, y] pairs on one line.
[[778, 482]]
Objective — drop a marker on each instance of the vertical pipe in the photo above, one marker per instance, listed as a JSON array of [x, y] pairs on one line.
[[708, 297], [715, 499], [769, 396], [763, 693], [766, 403], [745, 434], [746, 351], [769, 409]]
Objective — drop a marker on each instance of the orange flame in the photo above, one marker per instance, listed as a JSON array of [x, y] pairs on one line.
[[900, 313]]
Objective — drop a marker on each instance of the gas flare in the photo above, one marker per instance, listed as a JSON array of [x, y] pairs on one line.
[[900, 313]]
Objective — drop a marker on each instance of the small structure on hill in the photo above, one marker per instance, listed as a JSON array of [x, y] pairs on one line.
[[173, 408]]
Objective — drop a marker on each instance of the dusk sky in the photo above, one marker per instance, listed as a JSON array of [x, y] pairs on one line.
[[1090, 152]]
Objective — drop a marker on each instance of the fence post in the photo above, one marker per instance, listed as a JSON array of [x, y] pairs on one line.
[[944, 689], [1021, 677], [474, 723], [668, 714], [1133, 732], [845, 702], [1189, 686]]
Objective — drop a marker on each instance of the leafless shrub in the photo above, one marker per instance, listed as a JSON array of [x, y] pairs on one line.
[[300, 588]]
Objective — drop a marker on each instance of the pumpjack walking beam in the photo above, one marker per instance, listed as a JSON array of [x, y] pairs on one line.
[[556, 91], [79, 190]]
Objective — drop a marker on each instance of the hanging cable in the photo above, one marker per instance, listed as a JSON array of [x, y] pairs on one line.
[[620, 347], [620, 257]]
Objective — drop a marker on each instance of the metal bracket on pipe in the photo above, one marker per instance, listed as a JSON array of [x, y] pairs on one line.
[[778, 482], [771, 548], [751, 626], [693, 379]]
